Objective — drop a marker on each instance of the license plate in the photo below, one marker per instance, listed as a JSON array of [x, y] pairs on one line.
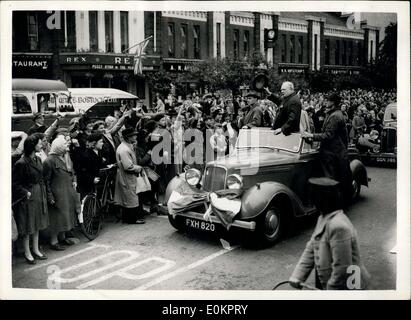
[[201, 225], [386, 160]]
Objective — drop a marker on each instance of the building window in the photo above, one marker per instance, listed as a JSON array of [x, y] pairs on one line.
[[315, 51], [359, 54], [327, 51], [71, 30], [171, 39], [283, 47], [372, 50], [124, 30], [246, 43], [350, 54], [218, 36], [108, 19], [344, 53], [337, 52], [92, 16], [300, 49], [33, 31], [236, 43], [183, 33], [196, 35], [292, 46]]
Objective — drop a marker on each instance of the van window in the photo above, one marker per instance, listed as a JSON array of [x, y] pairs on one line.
[[46, 103], [64, 105], [21, 104]]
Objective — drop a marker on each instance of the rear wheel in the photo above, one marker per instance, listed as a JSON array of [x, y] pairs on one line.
[[92, 218], [356, 189]]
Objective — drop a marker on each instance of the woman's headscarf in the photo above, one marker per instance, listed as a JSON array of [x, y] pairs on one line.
[[59, 146]]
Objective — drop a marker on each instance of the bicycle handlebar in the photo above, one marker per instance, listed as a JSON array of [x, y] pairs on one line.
[[109, 167], [303, 285]]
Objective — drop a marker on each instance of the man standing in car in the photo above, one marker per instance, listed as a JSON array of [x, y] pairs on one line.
[[288, 116], [334, 144]]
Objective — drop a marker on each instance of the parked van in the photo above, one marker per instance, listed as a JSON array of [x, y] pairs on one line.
[[84, 98], [50, 97], [98, 103]]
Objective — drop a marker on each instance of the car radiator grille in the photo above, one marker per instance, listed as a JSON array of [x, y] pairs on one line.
[[214, 178]]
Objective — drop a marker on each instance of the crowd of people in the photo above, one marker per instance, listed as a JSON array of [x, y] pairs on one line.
[[55, 167]]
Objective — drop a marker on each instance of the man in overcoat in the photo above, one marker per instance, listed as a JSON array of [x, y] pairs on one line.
[[289, 113], [253, 113], [334, 144], [125, 194], [333, 250]]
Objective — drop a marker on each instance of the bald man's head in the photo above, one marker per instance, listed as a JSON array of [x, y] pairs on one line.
[[287, 88]]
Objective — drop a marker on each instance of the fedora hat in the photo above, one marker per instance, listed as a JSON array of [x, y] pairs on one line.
[[259, 82], [128, 132], [253, 94]]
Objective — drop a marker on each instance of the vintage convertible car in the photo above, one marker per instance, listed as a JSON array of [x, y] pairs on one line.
[[261, 187]]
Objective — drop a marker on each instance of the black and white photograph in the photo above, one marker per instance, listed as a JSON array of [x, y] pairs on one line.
[[217, 149]]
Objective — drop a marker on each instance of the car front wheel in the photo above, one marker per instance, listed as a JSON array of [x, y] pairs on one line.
[[270, 226], [175, 223]]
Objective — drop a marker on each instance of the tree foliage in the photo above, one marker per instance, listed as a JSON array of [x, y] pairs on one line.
[[383, 70]]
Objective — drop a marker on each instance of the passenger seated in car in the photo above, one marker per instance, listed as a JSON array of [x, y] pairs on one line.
[[368, 142]]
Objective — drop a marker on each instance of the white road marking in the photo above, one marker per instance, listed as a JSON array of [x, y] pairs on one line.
[[94, 246], [57, 275], [167, 264], [184, 269]]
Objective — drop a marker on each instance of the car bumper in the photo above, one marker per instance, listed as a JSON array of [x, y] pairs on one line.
[[245, 225]]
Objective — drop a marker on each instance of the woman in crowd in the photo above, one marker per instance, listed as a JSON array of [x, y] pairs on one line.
[[61, 194], [29, 196], [90, 164]]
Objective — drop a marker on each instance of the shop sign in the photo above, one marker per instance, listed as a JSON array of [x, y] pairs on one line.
[[151, 63], [343, 71], [33, 62], [179, 67], [291, 70], [97, 60]]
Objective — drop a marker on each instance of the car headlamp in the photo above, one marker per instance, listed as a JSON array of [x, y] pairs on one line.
[[234, 181], [193, 176]]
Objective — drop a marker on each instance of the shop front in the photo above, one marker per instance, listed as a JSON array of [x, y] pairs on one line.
[[183, 66], [86, 70], [32, 65]]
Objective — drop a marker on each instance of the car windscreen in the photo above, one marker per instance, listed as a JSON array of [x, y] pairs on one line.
[[263, 138]]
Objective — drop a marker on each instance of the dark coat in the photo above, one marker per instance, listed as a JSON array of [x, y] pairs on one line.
[[36, 128], [332, 249], [253, 118], [31, 214], [59, 186], [333, 149], [288, 116], [88, 169]]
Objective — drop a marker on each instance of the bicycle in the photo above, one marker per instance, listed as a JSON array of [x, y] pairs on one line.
[[302, 285], [96, 204]]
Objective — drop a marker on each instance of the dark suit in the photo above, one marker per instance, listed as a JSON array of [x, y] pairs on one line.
[[288, 117]]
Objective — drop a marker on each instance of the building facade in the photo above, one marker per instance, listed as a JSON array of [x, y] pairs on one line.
[[98, 48]]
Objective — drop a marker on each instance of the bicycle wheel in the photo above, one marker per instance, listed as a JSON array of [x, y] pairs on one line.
[[92, 219]]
